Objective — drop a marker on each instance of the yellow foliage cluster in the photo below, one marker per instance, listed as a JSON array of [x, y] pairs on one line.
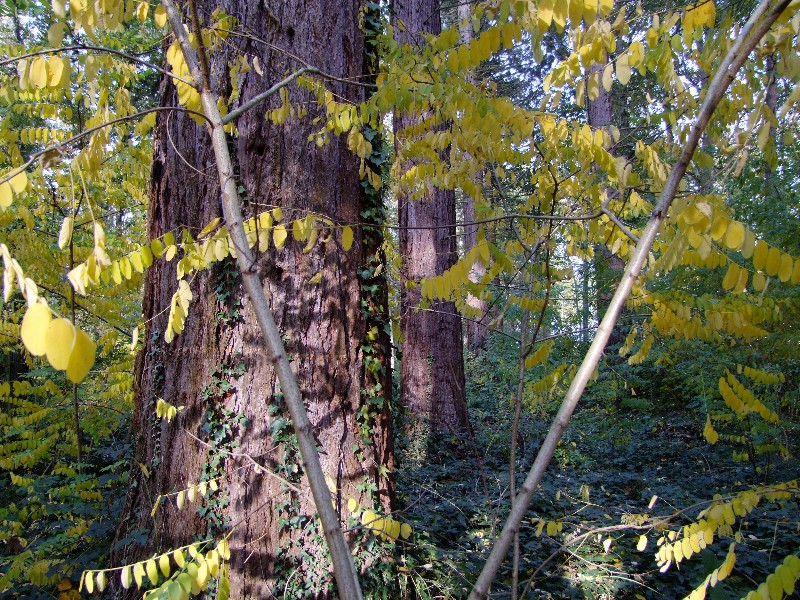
[[717, 575], [551, 527], [443, 287], [384, 526], [717, 521], [780, 583], [194, 574], [741, 400]]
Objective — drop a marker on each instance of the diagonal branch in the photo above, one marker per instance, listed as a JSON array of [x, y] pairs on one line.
[[756, 27]]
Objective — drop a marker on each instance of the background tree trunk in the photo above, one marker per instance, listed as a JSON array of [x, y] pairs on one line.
[[215, 369], [476, 326], [608, 267], [432, 366]]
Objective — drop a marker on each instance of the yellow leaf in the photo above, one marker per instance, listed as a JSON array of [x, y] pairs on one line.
[[636, 53], [138, 574], [37, 74], [157, 248], [163, 564], [539, 528], [642, 543], [623, 69], [191, 493], [347, 237], [710, 433], [116, 275], [760, 255], [101, 580], [734, 237], [6, 196], [82, 357], [125, 267], [315, 279], [221, 249], [560, 14], [773, 261], [55, 71], [136, 261], [405, 531], [212, 559], [141, 11], [152, 571], [147, 256], [298, 230], [34, 328], [576, 12], [607, 79], [179, 558], [589, 11], [59, 339], [208, 228], [759, 281], [545, 14], [202, 574], [125, 577], [378, 525], [785, 268], [731, 277], [787, 578], [741, 282], [65, 234], [179, 501], [749, 246], [796, 272], [19, 182], [774, 586], [224, 549], [160, 16], [88, 581], [279, 235]]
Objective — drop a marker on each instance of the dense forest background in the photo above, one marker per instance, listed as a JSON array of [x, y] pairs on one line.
[[436, 204]]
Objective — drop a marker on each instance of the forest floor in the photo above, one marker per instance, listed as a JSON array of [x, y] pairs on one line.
[[615, 466]]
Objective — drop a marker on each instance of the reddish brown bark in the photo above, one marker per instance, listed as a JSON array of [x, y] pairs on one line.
[[476, 326], [432, 366], [324, 325], [599, 114]]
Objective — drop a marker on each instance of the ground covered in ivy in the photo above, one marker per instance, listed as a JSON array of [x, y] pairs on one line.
[[619, 463]]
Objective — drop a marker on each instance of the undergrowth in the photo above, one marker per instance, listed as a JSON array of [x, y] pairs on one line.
[[628, 457]]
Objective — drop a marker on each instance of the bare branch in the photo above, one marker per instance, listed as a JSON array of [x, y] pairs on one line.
[[101, 49], [756, 27], [76, 138]]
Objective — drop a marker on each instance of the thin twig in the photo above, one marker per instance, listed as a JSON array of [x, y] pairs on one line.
[[259, 467], [76, 138], [102, 49]]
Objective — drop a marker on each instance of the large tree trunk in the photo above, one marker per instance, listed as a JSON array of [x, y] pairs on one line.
[[432, 366], [216, 371]]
